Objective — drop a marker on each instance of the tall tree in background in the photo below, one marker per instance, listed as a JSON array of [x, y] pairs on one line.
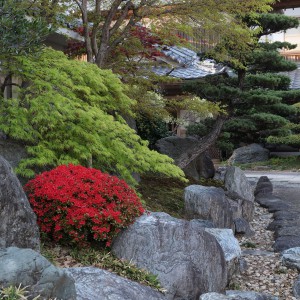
[[107, 24], [257, 100]]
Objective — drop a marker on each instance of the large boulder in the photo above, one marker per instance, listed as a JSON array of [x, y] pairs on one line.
[[208, 203], [94, 283], [188, 260], [249, 154], [18, 225], [264, 187], [236, 182], [175, 146], [30, 269], [239, 189], [231, 248]]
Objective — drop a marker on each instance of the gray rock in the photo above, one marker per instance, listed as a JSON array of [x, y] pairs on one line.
[[203, 223], [175, 146], [94, 283], [29, 268], [291, 258], [242, 226], [245, 295], [236, 181], [263, 186], [286, 242], [230, 247], [296, 288], [220, 173], [286, 215], [277, 224], [257, 252], [188, 260], [237, 295], [208, 203], [243, 265], [213, 296], [287, 231], [249, 154], [18, 225], [236, 207], [12, 151], [242, 208]]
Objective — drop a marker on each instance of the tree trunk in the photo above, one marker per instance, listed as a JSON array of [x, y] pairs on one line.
[[201, 146]]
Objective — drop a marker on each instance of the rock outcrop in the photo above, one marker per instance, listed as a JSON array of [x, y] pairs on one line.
[[188, 260], [175, 146], [240, 191], [93, 283], [29, 268], [208, 203], [18, 225], [230, 247], [249, 154]]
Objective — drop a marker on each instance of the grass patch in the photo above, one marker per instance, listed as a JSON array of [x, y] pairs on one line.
[[276, 163], [15, 293], [65, 256]]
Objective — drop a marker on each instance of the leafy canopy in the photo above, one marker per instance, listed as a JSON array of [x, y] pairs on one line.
[[20, 33], [72, 113], [257, 98], [107, 24]]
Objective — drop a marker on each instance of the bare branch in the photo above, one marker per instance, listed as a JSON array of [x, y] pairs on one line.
[[122, 17]]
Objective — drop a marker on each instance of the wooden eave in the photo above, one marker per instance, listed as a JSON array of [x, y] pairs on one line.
[[284, 4]]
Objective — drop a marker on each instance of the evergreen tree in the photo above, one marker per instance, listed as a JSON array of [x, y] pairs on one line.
[[257, 99], [71, 112]]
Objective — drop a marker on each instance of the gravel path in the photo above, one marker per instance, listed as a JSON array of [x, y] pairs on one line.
[[264, 273]]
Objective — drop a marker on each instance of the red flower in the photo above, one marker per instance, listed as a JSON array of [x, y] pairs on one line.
[[77, 204]]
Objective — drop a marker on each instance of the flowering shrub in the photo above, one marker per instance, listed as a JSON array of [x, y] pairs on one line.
[[78, 205]]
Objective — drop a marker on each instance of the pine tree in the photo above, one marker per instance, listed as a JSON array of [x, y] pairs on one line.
[[257, 99]]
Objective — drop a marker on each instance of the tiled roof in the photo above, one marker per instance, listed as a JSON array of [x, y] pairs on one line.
[[184, 63]]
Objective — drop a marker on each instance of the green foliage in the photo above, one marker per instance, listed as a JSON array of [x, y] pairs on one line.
[[151, 129], [19, 33], [270, 61], [106, 260], [15, 293], [272, 23], [249, 245], [268, 81], [275, 163], [198, 129], [99, 258], [72, 113], [258, 102], [292, 140]]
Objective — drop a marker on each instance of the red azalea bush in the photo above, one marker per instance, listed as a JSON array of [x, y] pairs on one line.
[[80, 205]]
